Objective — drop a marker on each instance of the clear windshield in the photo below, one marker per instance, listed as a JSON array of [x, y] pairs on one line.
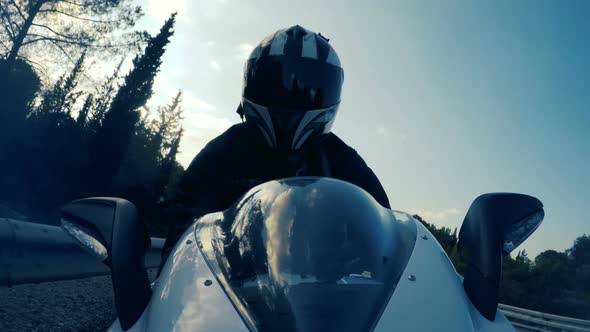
[[308, 254]]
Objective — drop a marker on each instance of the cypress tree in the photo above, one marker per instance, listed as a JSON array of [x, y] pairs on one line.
[[112, 139]]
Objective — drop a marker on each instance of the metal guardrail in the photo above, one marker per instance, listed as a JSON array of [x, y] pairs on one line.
[[35, 253], [529, 320]]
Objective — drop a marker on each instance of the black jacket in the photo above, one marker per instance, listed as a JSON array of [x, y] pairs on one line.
[[239, 159]]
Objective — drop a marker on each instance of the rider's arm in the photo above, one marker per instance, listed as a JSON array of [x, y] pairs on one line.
[[363, 176], [346, 164]]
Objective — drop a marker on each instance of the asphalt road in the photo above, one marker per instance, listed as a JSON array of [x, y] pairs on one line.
[[72, 305]]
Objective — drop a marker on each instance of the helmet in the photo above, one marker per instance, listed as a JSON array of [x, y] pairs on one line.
[[292, 85]]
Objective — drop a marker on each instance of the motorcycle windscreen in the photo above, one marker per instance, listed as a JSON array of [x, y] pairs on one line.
[[307, 254]]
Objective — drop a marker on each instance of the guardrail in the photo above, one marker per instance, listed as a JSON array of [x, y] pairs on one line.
[[35, 253], [529, 320]]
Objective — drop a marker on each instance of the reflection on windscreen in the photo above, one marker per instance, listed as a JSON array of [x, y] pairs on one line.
[[308, 255]]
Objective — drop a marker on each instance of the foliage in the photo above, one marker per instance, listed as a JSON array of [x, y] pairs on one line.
[[54, 154], [63, 96], [32, 29], [554, 282], [113, 136], [18, 85], [150, 163]]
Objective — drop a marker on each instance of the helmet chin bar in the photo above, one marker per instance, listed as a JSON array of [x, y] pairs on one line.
[[289, 129]]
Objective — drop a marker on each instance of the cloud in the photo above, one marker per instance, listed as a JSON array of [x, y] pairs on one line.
[[215, 65], [166, 89], [396, 135], [198, 120], [382, 131], [192, 103], [161, 10], [441, 216], [201, 126], [244, 51]]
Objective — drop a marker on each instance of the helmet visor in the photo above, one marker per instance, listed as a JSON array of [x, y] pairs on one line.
[[302, 84]]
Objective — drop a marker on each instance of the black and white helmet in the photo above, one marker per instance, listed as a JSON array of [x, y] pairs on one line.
[[292, 85]]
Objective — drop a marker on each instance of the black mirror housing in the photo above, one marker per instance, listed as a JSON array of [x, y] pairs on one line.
[[114, 223], [495, 224]]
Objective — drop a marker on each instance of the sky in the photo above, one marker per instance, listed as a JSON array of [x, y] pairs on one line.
[[444, 101]]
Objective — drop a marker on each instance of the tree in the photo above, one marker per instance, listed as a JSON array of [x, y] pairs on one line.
[[579, 256], [18, 86], [64, 27], [111, 141], [580, 252], [104, 96], [168, 126], [168, 165], [62, 97], [150, 168], [83, 114], [516, 275]]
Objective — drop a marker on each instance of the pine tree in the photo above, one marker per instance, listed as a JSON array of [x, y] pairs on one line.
[[167, 127], [112, 139], [63, 95], [83, 114], [105, 94], [168, 163]]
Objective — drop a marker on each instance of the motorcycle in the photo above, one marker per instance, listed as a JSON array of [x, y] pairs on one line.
[[307, 254]]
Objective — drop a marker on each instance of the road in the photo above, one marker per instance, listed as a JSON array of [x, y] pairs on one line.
[[72, 305]]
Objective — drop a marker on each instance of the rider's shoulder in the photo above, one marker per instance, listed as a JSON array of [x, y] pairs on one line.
[[231, 137], [335, 144]]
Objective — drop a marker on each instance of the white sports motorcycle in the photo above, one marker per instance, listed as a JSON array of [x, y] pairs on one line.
[[307, 254]]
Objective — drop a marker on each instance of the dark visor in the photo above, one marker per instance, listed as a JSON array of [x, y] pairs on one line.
[[306, 84]]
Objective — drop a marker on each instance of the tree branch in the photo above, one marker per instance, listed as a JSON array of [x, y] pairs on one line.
[[42, 69], [18, 9], [8, 31], [56, 40], [55, 32], [65, 41], [75, 3], [6, 24], [32, 41], [77, 17], [6, 47], [71, 42], [73, 61]]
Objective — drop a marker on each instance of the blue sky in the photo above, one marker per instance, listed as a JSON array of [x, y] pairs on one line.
[[444, 101]]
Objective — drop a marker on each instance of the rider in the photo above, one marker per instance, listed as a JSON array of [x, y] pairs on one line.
[[290, 97]]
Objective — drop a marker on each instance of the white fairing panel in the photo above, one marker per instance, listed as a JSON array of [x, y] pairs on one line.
[[187, 297], [181, 299], [433, 299]]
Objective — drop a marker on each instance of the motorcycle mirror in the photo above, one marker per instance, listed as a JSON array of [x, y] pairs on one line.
[[494, 226], [86, 239], [109, 229]]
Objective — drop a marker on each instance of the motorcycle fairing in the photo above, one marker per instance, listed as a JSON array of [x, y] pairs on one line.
[[307, 254]]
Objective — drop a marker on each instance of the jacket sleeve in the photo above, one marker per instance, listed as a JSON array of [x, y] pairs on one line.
[[349, 166], [365, 178]]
